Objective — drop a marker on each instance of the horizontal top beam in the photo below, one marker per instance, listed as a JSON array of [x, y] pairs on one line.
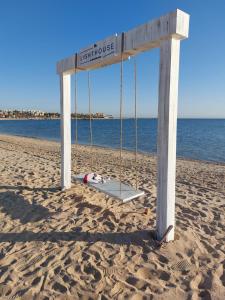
[[142, 38]]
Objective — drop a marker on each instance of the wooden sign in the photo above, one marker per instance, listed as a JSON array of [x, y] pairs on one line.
[[102, 53]]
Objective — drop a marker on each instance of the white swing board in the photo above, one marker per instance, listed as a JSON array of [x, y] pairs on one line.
[[112, 188]]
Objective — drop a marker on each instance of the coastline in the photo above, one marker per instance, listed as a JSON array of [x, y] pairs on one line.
[[147, 154], [38, 119], [194, 141], [114, 118], [83, 243]]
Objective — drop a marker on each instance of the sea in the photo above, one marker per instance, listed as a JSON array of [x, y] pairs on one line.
[[199, 139]]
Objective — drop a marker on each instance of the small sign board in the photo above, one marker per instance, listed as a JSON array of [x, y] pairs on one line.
[[104, 52]]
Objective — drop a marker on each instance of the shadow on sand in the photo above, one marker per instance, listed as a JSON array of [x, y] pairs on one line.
[[32, 189], [18, 208], [139, 238]]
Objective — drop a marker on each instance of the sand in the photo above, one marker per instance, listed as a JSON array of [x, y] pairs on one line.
[[81, 244]]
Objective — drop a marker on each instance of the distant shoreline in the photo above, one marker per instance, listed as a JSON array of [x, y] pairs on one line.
[[114, 118], [38, 119]]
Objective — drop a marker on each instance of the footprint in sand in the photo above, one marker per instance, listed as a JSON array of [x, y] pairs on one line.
[[91, 270], [147, 273], [112, 271], [5, 290], [182, 265], [59, 287]]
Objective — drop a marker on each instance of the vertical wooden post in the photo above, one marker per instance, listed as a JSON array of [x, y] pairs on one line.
[[167, 131], [65, 106]]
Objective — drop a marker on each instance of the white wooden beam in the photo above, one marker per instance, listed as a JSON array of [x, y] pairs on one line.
[[66, 65], [167, 131], [65, 101], [142, 38], [145, 37]]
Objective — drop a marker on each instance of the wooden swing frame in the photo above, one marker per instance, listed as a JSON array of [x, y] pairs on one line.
[[164, 33]]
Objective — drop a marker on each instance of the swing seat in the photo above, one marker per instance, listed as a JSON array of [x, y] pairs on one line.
[[112, 188]]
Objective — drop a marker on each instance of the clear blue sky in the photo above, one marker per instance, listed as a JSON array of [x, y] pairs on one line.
[[35, 34]]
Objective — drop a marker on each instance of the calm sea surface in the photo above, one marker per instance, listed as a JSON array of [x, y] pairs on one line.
[[202, 139]]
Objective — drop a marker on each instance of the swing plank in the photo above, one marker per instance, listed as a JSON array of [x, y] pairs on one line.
[[112, 188]]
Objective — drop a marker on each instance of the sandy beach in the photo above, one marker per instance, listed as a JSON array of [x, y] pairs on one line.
[[82, 244]]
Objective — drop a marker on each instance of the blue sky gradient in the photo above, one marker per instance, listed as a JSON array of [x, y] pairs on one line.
[[36, 34]]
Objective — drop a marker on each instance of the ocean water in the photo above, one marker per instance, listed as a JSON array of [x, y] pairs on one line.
[[201, 139]]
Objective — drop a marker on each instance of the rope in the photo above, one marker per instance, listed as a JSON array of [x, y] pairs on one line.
[[136, 125], [90, 120], [76, 127], [121, 118]]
